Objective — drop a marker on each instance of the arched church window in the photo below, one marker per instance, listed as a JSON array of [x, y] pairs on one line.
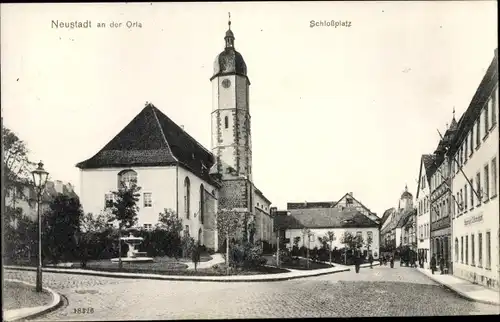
[[127, 176], [202, 204], [187, 199], [226, 122]]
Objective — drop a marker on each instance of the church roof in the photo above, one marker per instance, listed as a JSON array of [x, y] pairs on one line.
[[229, 61], [323, 218], [153, 139]]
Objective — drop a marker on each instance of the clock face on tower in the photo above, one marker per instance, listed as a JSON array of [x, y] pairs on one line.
[[226, 83]]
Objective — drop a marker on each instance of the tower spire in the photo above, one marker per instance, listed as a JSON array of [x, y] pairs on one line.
[[229, 38]]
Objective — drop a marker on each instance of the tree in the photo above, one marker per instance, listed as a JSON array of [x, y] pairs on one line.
[[329, 238], [307, 232], [61, 224], [169, 221], [369, 242], [228, 222], [296, 241], [16, 164], [93, 223], [124, 210]]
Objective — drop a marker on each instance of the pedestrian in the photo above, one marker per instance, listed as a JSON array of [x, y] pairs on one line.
[[433, 263], [370, 259], [392, 261], [441, 265]]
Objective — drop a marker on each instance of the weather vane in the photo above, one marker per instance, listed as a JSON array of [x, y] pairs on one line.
[[229, 23]]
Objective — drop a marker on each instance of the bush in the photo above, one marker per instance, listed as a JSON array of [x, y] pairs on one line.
[[303, 252], [285, 255], [246, 255], [313, 254], [295, 250]]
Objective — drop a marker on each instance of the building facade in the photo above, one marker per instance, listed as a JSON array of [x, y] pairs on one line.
[[441, 199], [423, 208], [475, 184], [176, 172], [23, 197], [319, 221]]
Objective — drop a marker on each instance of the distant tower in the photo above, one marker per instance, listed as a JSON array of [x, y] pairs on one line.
[[406, 201], [231, 135]]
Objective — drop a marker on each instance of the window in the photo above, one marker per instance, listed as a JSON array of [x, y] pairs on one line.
[[494, 177], [456, 249], [488, 250], [478, 188], [472, 250], [472, 140], [486, 182], [461, 201], [108, 200], [478, 132], [465, 197], [462, 249], [187, 197], [226, 122], [494, 108], [459, 210], [487, 109], [148, 226], [466, 250], [186, 230], [480, 250], [127, 176], [466, 152], [472, 194], [148, 201], [202, 203]]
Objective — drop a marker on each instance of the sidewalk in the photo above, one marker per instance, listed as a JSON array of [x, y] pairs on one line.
[[292, 274], [216, 259], [473, 292], [30, 312]]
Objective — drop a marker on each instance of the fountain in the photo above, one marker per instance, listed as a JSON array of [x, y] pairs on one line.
[[133, 255]]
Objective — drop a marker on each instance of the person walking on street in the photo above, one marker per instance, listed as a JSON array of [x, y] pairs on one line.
[[441, 265], [392, 261], [433, 263], [356, 261], [370, 258]]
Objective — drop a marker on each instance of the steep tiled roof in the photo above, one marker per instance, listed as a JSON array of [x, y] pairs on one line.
[[323, 218], [386, 214], [153, 139], [404, 218], [307, 204], [428, 160]]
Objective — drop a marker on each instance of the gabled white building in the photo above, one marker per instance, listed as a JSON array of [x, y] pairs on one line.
[[424, 208]]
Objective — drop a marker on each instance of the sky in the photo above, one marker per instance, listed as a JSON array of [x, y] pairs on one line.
[[334, 110]]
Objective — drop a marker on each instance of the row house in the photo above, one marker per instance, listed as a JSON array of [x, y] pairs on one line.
[[474, 176], [423, 218]]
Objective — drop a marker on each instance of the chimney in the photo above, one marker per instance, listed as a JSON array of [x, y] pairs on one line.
[[182, 127], [58, 186], [352, 195]]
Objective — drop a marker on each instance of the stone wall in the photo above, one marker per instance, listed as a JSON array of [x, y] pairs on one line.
[[209, 221]]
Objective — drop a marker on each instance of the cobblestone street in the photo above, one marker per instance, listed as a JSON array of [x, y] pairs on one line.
[[380, 291]]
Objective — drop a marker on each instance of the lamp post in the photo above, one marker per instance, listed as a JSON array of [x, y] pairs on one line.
[[39, 179]]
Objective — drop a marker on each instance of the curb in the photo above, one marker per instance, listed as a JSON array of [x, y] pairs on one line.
[[460, 293], [223, 279], [31, 312]]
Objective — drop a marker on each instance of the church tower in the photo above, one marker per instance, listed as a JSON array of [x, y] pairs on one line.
[[231, 134]]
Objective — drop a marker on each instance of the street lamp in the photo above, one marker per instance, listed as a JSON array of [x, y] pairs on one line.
[[39, 179]]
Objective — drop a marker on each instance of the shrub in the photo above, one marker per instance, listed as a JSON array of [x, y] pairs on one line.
[[285, 255], [302, 251], [246, 255], [313, 254]]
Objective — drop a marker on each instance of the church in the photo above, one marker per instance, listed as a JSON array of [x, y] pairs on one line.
[[176, 172]]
